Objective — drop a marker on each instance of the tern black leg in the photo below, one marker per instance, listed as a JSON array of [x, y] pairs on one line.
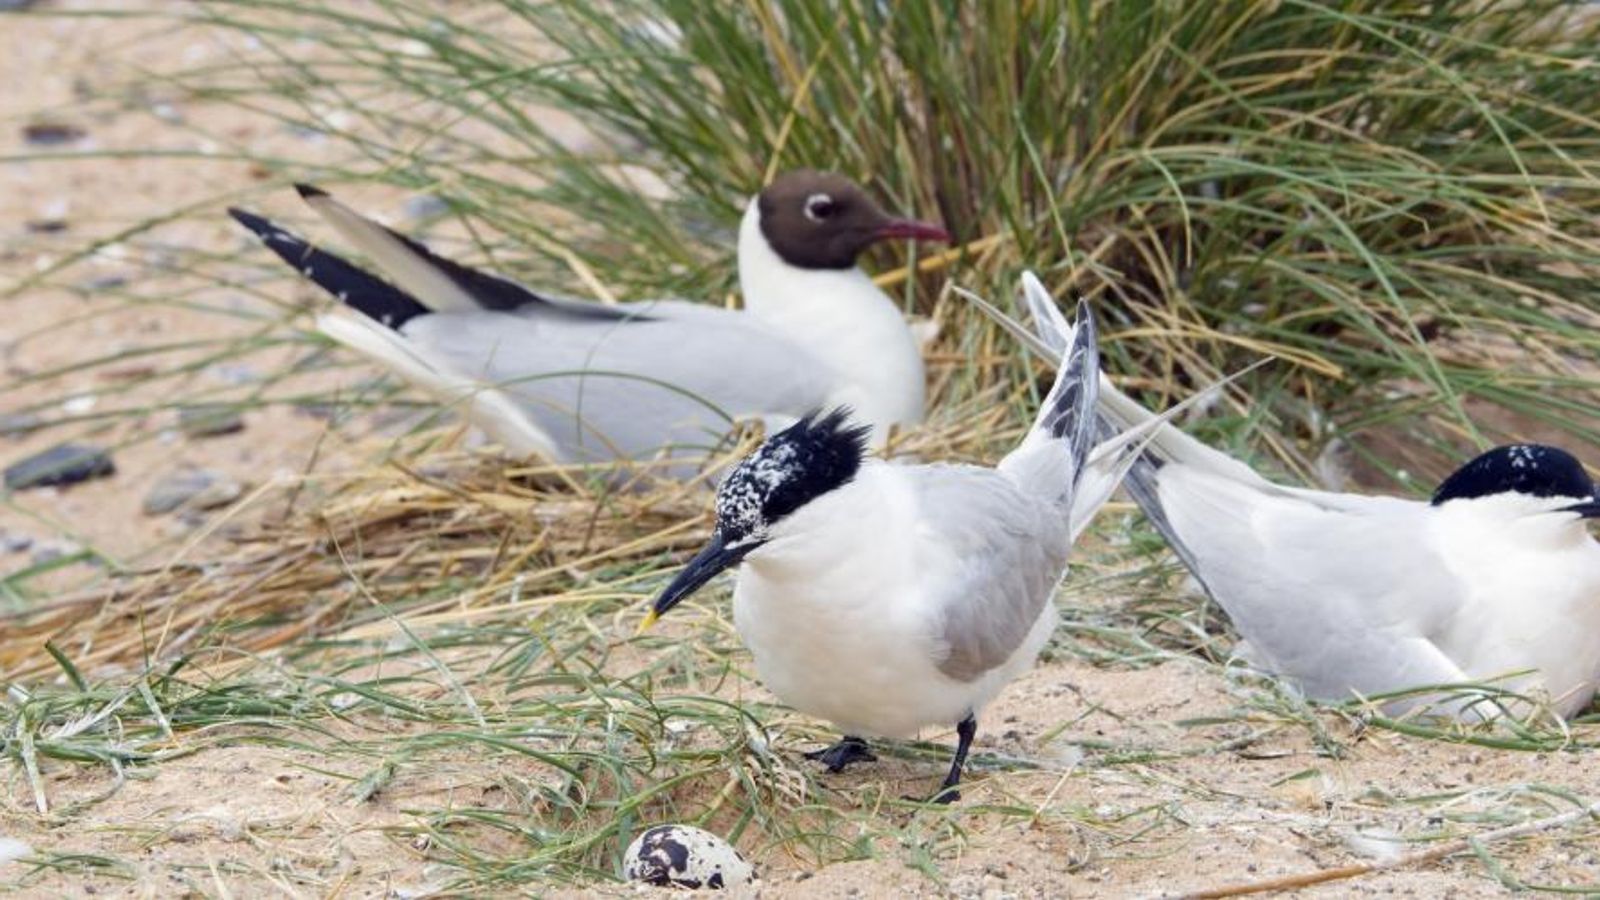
[[965, 731], [847, 751]]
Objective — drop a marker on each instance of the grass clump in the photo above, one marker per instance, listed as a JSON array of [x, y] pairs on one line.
[[1398, 202]]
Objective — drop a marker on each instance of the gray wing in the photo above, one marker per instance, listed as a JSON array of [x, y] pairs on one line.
[[675, 377], [1341, 598], [992, 556]]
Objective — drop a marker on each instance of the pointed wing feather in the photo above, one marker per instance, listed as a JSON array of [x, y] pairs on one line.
[[485, 406], [443, 284], [1048, 322], [1381, 593]]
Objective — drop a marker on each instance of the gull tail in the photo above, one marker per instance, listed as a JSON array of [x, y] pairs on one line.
[[444, 285], [482, 404], [355, 287], [377, 333]]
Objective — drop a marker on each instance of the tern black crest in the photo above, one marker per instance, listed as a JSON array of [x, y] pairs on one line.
[[790, 469], [819, 220], [1532, 469]]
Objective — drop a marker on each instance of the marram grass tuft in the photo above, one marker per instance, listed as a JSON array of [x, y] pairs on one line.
[[1397, 202]]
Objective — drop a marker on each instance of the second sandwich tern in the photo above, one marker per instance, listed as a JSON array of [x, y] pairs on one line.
[[1496, 576]]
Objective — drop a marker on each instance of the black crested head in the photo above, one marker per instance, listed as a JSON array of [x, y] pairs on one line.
[[813, 456], [820, 220], [1532, 469]]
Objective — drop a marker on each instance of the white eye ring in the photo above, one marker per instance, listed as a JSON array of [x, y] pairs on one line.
[[819, 207]]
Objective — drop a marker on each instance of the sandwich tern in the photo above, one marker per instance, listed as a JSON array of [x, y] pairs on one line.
[[1350, 595], [576, 381], [886, 598]]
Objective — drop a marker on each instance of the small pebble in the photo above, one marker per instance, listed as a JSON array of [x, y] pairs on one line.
[[425, 206], [306, 133], [15, 543], [11, 848], [52, 134], [317, 409], [55, 210], [60, 465], [190, 489], [79, 404], [209, 420], [15, 425], [234, 374], [103, 283], [52, 551]]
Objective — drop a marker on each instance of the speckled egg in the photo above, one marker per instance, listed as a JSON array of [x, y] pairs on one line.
[[687, 857]]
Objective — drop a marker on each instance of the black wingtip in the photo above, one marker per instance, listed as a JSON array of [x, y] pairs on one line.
[[1085, 314], [249, 220], [355, 287], [309, 191]]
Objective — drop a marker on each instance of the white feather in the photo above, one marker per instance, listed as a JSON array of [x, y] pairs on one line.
[[484, 405]]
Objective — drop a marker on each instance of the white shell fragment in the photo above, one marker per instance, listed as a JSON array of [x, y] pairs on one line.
[[686, 857]]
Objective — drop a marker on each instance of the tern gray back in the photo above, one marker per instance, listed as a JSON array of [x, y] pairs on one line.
[[1011, 551]]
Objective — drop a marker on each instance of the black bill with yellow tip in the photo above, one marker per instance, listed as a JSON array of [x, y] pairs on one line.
[[713, 558]]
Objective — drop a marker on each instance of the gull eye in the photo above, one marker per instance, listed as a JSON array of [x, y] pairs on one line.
[[819, 207]]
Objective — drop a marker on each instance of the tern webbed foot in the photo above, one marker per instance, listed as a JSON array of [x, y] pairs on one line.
[[848, 750]]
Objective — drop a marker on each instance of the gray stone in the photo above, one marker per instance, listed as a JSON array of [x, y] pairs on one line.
[[50, 551], [52, 134], [190, 489], [230, 373], [317, 409], [15, 543], [15, 425], [425, 206], [99, 283], [209, 420], [62, 464]]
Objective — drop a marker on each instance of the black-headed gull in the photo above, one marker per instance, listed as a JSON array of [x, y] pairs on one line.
[[586, 382]]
